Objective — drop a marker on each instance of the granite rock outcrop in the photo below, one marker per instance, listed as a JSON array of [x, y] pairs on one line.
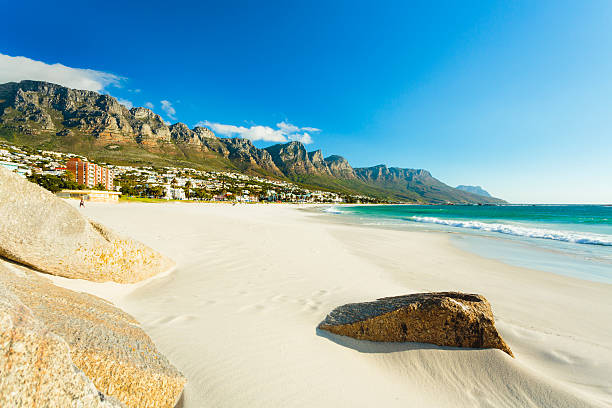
[[36, 369], [105, 344], [46, 233], [452, 319]]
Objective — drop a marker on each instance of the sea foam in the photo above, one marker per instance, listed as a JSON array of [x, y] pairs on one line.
[[565, 236], [333, 210]]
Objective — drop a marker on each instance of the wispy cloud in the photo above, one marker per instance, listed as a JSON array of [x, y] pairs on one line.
[[126, 103], [15, 69], [302, 137], [149, 105], [169, 109], [283, 132]]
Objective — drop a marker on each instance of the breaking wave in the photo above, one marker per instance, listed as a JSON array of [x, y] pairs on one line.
[[333, 210], [564, 236]]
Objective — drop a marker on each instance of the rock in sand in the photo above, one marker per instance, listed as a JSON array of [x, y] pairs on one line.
[[443, 318], [58, 346], [44, 232]]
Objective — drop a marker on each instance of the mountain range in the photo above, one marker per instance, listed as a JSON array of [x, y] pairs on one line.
[[53, 117], [474, 190]]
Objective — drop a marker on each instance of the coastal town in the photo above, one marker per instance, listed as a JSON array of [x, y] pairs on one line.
[[87, 179]]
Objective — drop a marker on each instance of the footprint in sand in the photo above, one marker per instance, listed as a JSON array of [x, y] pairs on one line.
[[561, 356], [311, 305], [480, 398], [280, 298], [257, 308]]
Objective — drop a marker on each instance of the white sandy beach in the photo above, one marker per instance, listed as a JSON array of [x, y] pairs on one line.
[[238, 315]]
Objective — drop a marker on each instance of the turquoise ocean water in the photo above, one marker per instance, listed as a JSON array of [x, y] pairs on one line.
[[571, 240]]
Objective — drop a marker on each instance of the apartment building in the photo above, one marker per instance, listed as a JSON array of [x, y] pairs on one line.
[[90, 174]]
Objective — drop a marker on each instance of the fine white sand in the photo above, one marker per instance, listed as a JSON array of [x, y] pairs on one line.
[[238, 315]]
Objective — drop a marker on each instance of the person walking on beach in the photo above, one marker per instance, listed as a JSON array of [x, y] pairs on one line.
[[82, 203]]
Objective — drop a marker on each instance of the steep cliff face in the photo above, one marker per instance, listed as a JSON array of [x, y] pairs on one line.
[[340, 167], [291, 158], [198, 137], [243, 150], [149, 128], [35, 107], [384, 174], [316, 158], [204, 133]]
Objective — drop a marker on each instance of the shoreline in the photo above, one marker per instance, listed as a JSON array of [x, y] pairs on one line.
[[571, 259], [252, 282]]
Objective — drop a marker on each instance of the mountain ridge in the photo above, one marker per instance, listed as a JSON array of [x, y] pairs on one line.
[[474, 190], [46, 115]]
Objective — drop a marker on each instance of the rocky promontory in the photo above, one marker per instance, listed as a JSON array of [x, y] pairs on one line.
[[443, 318], [46, 233]]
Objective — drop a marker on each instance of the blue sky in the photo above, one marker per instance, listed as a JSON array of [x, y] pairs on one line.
[[514, 96]]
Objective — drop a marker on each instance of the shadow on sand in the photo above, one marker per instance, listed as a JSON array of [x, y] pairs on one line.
[[181, 402], [366, 346]]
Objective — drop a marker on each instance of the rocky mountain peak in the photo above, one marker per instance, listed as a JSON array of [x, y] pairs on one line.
[[181, 133], [294, 144], [291, 158], [474, 190], [179, 127], [340, 167], [315, 156], [142, 113], [204, 132]]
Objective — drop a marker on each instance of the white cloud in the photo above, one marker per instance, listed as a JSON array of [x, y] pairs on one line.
[[149, 105], [15, 69], [304, 138], [287, 127], [126, 103], [284, 131], [169, 109], [252, 133]]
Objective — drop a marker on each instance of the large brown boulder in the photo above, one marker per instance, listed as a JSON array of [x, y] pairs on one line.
[[44, 232], [444, 318], [105, 343]]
